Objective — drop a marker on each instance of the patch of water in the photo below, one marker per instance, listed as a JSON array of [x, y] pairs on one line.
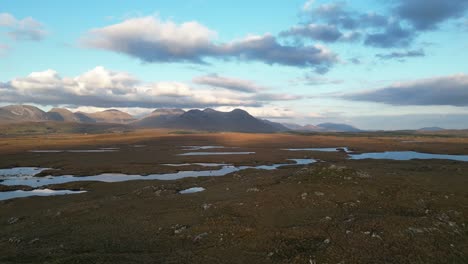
[[345, 149], [407, 155], [199, 164], [192, 190], [38, 192], [117, 177], [202, 147], [215, 153], [46, 151], [21, 171], [76, 150], [109, 148]]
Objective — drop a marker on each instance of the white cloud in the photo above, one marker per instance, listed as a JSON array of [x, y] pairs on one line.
[[152, 40], [445, 90], [23, 29], [100, 87], [7, 20], [228, 83]]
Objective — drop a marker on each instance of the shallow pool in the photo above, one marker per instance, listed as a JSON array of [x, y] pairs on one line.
[[202, 147], [21, 171], [32, 181], [199, 164], [76, 150], [406, 155], [38, 192], [192, 190], [345, 149], [215, 153]]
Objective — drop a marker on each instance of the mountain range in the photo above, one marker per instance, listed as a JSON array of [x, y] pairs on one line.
[[324, 127], [209, 119]]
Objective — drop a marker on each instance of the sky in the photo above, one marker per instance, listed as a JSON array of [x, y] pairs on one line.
[[376, 64]]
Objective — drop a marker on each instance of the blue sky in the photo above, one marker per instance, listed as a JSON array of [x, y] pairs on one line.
[[373, 64]]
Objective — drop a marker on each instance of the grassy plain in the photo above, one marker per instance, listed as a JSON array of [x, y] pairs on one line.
[[334, 211]]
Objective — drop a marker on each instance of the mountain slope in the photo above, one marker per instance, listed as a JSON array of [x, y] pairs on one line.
[[110, 116], [65, 115], [159, 117], [212, 120], [431, 129], [22, 113], [333, 127], [324, 127]]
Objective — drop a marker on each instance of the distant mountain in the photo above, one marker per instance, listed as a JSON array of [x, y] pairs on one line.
[[298, 127], [65, 115], [29, 113], [22, 113], [292, 126], [211, 120], [159, 117], [313, 128], [333, 127], [167, 112], [280, 127], [324, 127], [431, 129], [110, 116], [207, 120]]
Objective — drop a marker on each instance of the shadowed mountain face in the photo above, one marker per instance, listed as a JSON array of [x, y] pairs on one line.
[[65, 115], [211, 120], [159, 117], [207, 120]]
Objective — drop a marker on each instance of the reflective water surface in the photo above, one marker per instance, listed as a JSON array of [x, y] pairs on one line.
[[345, 149], [215, 153], [32, 181], [39, 192], [407, 155], [192, 190]]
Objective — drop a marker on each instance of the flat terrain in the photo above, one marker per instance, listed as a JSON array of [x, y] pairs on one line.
[[334, 211]]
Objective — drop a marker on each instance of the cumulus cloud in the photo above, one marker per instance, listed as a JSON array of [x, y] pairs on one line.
[[428, 14], [152, 40], [7, 20], [394, 35], [401, 54], [447, 90], [234, 84], [268, 112], [322, 32], [100, 87], [398, 26], [340, 15], [23, 29]]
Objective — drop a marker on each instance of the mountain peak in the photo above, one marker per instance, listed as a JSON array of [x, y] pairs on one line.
[[210, 110], [240, 111]]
